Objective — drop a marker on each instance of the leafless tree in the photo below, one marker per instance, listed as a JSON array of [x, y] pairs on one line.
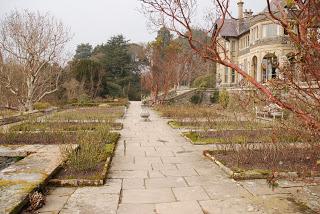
[[302, 28], [32, 47]]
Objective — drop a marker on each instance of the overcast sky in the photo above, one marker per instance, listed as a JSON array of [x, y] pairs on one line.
[[95, 21]]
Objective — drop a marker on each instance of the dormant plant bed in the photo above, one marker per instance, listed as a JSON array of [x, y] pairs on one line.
[[97, 177], [256, 170]]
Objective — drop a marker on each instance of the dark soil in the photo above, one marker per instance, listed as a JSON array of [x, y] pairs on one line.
[[9, 120], [280, 159], [257, 136], [67, 173], [15, 119], [62, 126], [250, 134], [37, 138]]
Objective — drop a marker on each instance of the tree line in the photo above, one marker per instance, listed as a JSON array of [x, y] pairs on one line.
[[34, 66], [107, 70]]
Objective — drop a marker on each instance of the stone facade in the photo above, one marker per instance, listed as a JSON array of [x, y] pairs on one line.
[[255, 43]]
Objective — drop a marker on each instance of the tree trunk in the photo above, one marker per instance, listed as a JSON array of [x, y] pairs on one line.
[[28, 105]]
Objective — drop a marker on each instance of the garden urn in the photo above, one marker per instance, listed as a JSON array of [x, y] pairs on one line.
[[144, 113]]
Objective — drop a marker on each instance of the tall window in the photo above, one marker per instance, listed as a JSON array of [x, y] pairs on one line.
[[255, 34], [245, 42], [233, 46], [233, 76], [226, 76], [270, 30]]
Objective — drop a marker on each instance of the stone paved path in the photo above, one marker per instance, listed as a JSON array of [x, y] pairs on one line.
[[156, 171]]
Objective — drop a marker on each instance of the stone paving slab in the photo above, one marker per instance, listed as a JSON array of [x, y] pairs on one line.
[[190, 193], [133, 183], [179, 172], [54, 204], [128, 174], [260, 187], [90, 202], [221, 191], [147, 196], [136, 208], [207, 180], [165, 182], [230, 206], [190, 207]]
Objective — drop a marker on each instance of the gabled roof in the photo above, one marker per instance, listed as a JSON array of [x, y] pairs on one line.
[[237, 27], [230, 28], [234, 27]]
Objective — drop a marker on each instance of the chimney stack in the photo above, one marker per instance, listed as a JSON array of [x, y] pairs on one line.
[[240, 9], [248, 13]]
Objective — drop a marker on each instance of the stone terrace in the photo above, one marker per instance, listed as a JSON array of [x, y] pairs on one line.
[[21, 178], [156, 171]]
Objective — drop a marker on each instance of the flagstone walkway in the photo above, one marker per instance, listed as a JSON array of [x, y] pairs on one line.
[[156, 171]]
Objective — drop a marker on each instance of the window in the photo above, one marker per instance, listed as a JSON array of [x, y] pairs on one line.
[[227, 45], [255, 33], [245, 42], [233, 76], [270, 30], [233, 46], [226, 74]]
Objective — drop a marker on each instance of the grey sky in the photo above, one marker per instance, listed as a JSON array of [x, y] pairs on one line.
[[95, 21]]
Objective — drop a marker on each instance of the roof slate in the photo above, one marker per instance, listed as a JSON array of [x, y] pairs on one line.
[[236, 27]]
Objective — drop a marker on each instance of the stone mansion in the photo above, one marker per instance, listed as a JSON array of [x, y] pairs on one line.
[[254, 42]]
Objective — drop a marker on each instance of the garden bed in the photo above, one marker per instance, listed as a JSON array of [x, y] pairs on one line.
[[94, 177], [87, 114], [284, 161], [242, 136], [19, 118], [229, 136], [87, 172], [64, 126], [43, 138], [194, 111], [219, 124]]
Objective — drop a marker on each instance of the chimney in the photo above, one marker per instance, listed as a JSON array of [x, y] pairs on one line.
[[248, 13], [240, 9]]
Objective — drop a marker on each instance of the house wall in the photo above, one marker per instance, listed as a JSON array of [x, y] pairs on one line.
[[259, 47]]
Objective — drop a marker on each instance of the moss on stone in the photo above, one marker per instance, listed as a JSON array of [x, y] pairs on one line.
[[25, 186], [174, 124]]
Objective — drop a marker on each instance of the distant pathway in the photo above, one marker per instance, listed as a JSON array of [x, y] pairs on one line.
[[156, 171]]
